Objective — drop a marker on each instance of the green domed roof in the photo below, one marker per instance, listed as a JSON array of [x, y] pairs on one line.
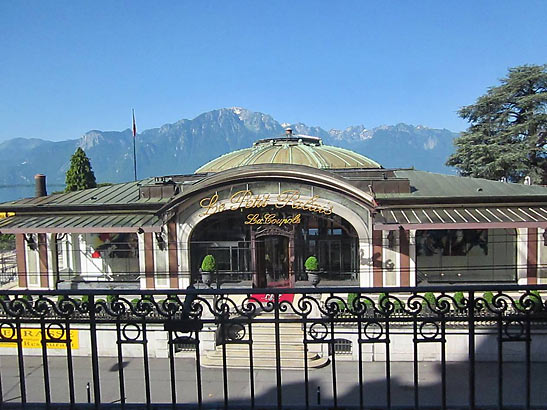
[[293, 150]]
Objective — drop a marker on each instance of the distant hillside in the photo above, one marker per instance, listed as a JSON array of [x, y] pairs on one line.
[[184, 146]]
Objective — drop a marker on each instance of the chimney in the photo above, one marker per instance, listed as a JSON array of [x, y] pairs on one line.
[[40, 185]]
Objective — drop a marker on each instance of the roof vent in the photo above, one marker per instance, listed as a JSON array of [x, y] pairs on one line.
[[162, 180]]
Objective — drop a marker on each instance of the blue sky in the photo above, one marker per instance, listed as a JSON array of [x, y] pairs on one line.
[[70, 66]]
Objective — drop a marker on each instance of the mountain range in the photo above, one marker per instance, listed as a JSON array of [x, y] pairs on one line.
[[185, 145]]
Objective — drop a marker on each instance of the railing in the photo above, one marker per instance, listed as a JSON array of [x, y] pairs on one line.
[[8, 267], [449, 347]]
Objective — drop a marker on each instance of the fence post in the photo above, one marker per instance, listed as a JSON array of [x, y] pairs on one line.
[[94, 351]]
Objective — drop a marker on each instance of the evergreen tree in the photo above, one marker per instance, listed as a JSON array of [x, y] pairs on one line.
[[508, 132], [80, 175]]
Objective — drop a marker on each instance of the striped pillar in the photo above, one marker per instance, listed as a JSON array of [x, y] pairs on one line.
[[149, 260], [532, 257], [173, 256], [43, 260], [404, 252], [20, 251], [377, 259]]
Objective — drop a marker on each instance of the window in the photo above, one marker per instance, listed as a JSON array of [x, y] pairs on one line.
[[451, 242], [466, 255]]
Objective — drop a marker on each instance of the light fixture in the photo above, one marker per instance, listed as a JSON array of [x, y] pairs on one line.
[[391, 240], [31, 243], [160, 240]]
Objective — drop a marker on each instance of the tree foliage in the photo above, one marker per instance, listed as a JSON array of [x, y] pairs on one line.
[[80, 175], [7, 242], [507, 136]]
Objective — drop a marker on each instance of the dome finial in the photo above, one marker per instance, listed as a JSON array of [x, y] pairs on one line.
[[288, 132]]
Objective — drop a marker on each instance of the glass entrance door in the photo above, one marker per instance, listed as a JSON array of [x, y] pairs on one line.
[[273, 261]]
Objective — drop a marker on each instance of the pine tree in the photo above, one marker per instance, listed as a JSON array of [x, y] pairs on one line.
[[508, 132], [80, 175]]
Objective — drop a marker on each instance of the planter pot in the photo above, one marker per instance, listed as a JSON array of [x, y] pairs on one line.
[[206, 278], [314, 278]]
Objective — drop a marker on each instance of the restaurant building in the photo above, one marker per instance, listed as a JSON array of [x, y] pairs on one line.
[[262, 211]]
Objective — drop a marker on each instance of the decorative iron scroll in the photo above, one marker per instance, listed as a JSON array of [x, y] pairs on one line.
[[307, 304]]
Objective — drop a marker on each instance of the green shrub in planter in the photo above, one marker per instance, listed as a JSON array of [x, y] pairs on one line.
[[311, 264], [398, 306], [208, 264], [111, 298], [459, 300], [148, 299], [430, 298], [488, 296], [353, 296], [535, 297]]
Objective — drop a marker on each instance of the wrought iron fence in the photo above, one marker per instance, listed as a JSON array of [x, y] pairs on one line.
[[449, 347]]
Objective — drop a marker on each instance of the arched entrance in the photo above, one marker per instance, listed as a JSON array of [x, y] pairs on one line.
[[250, 252]]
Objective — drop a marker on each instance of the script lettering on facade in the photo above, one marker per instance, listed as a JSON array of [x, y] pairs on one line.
[[247, 200], [211, 205], [272, 219]]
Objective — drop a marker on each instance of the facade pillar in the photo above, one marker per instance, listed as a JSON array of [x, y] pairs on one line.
[[404, 258], [377, 259], [522, 256], [532, 256], [43, 260], [173, 255], [149, 260], [20, 252]]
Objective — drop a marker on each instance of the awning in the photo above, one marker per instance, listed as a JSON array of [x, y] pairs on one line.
[[81, 223], [468, 217]]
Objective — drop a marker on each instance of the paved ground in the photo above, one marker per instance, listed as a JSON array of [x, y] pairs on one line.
[[293, 390]]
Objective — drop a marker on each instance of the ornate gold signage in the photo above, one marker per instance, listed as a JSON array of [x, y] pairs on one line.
[[247, 200], [272, 219]]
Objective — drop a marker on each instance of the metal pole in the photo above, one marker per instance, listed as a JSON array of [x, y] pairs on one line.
[[318, 395], [135, 158], [134, 143]]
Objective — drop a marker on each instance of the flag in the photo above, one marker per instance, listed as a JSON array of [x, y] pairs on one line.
[[134, 125]]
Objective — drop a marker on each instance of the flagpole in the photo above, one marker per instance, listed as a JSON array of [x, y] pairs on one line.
[[134, 149]]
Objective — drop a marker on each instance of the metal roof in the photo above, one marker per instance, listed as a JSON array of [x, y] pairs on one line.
[[81, 223], [118, 195], [463, 217], [427, 185], [297, 150]]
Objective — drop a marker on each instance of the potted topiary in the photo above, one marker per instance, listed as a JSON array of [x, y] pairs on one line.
[[208, 266], [312, 270]]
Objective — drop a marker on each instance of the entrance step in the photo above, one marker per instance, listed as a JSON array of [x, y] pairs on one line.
[[291, 348]]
